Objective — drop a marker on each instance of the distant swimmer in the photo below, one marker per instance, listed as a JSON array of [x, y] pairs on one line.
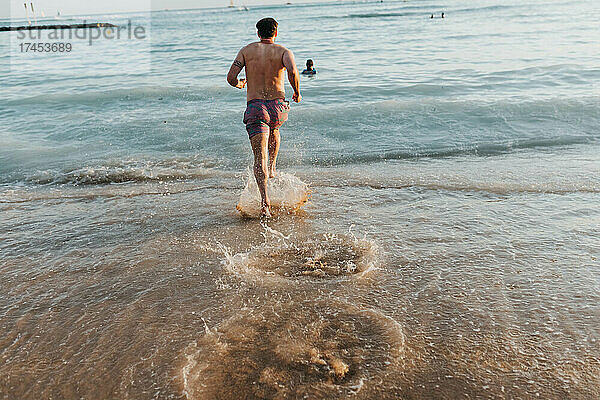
[[267, 109], [442, 15], [431, 16], [309, 68]]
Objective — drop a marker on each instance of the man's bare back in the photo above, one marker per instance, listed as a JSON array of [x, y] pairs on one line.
[[264, 70], [265, 62], [267, 109]]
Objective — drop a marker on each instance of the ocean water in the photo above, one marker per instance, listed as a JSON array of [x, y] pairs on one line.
[[450, 247]]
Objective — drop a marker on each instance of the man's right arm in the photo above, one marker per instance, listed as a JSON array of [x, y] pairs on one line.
[[292, 71], [234, 71]]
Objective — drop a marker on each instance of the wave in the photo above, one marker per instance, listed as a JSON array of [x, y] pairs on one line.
[[444, 184], [529, 82], [144, 93], [383, 14], [482, 150], [12, 197], [121, 171], [490, 8], [571, 171], [424, 10], [514, 108]]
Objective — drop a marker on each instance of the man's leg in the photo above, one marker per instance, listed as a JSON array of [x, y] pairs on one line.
[[259, 147], [274, 139]]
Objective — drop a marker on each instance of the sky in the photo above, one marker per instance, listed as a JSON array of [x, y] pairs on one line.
[[16, 9]]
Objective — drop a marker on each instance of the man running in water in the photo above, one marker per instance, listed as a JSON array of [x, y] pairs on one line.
[[267, 108]]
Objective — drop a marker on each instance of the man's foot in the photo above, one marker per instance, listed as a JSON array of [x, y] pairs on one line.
[[272, 173], [265, 212]]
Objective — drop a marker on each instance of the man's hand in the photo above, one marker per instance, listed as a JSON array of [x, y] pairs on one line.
[[297, 97], [241, 83]]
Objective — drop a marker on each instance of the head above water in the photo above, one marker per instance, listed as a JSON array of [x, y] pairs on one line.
[[309, 64], [267, 28]]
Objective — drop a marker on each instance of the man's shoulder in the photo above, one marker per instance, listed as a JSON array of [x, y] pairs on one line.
[[253, 47], [283, 48], [248, 46], [257, 44]]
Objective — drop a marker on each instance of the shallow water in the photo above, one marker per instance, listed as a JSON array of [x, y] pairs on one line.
[[449, 248]]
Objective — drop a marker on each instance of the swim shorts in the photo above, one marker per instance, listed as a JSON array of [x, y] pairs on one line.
[[261, 116]]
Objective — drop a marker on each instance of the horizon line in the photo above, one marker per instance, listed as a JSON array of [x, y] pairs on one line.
[[283, 3]]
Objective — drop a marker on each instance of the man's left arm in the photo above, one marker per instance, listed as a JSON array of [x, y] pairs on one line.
[[289, 63], [234, 71]]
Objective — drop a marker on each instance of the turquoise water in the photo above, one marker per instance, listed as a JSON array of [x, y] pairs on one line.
[[450, 247]]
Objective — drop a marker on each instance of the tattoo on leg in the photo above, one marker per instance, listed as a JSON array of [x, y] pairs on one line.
[[238, 64]]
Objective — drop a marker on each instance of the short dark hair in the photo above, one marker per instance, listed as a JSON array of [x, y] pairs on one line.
[[266, 27], [309, 63]]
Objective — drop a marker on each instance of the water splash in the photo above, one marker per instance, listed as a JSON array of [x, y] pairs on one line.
[[287, 194], [325, 256]]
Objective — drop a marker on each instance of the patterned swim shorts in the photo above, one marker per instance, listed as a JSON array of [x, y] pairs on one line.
[[263, 115]]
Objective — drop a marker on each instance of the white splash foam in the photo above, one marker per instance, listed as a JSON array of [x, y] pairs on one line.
[[324, 255], [286, 192]]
